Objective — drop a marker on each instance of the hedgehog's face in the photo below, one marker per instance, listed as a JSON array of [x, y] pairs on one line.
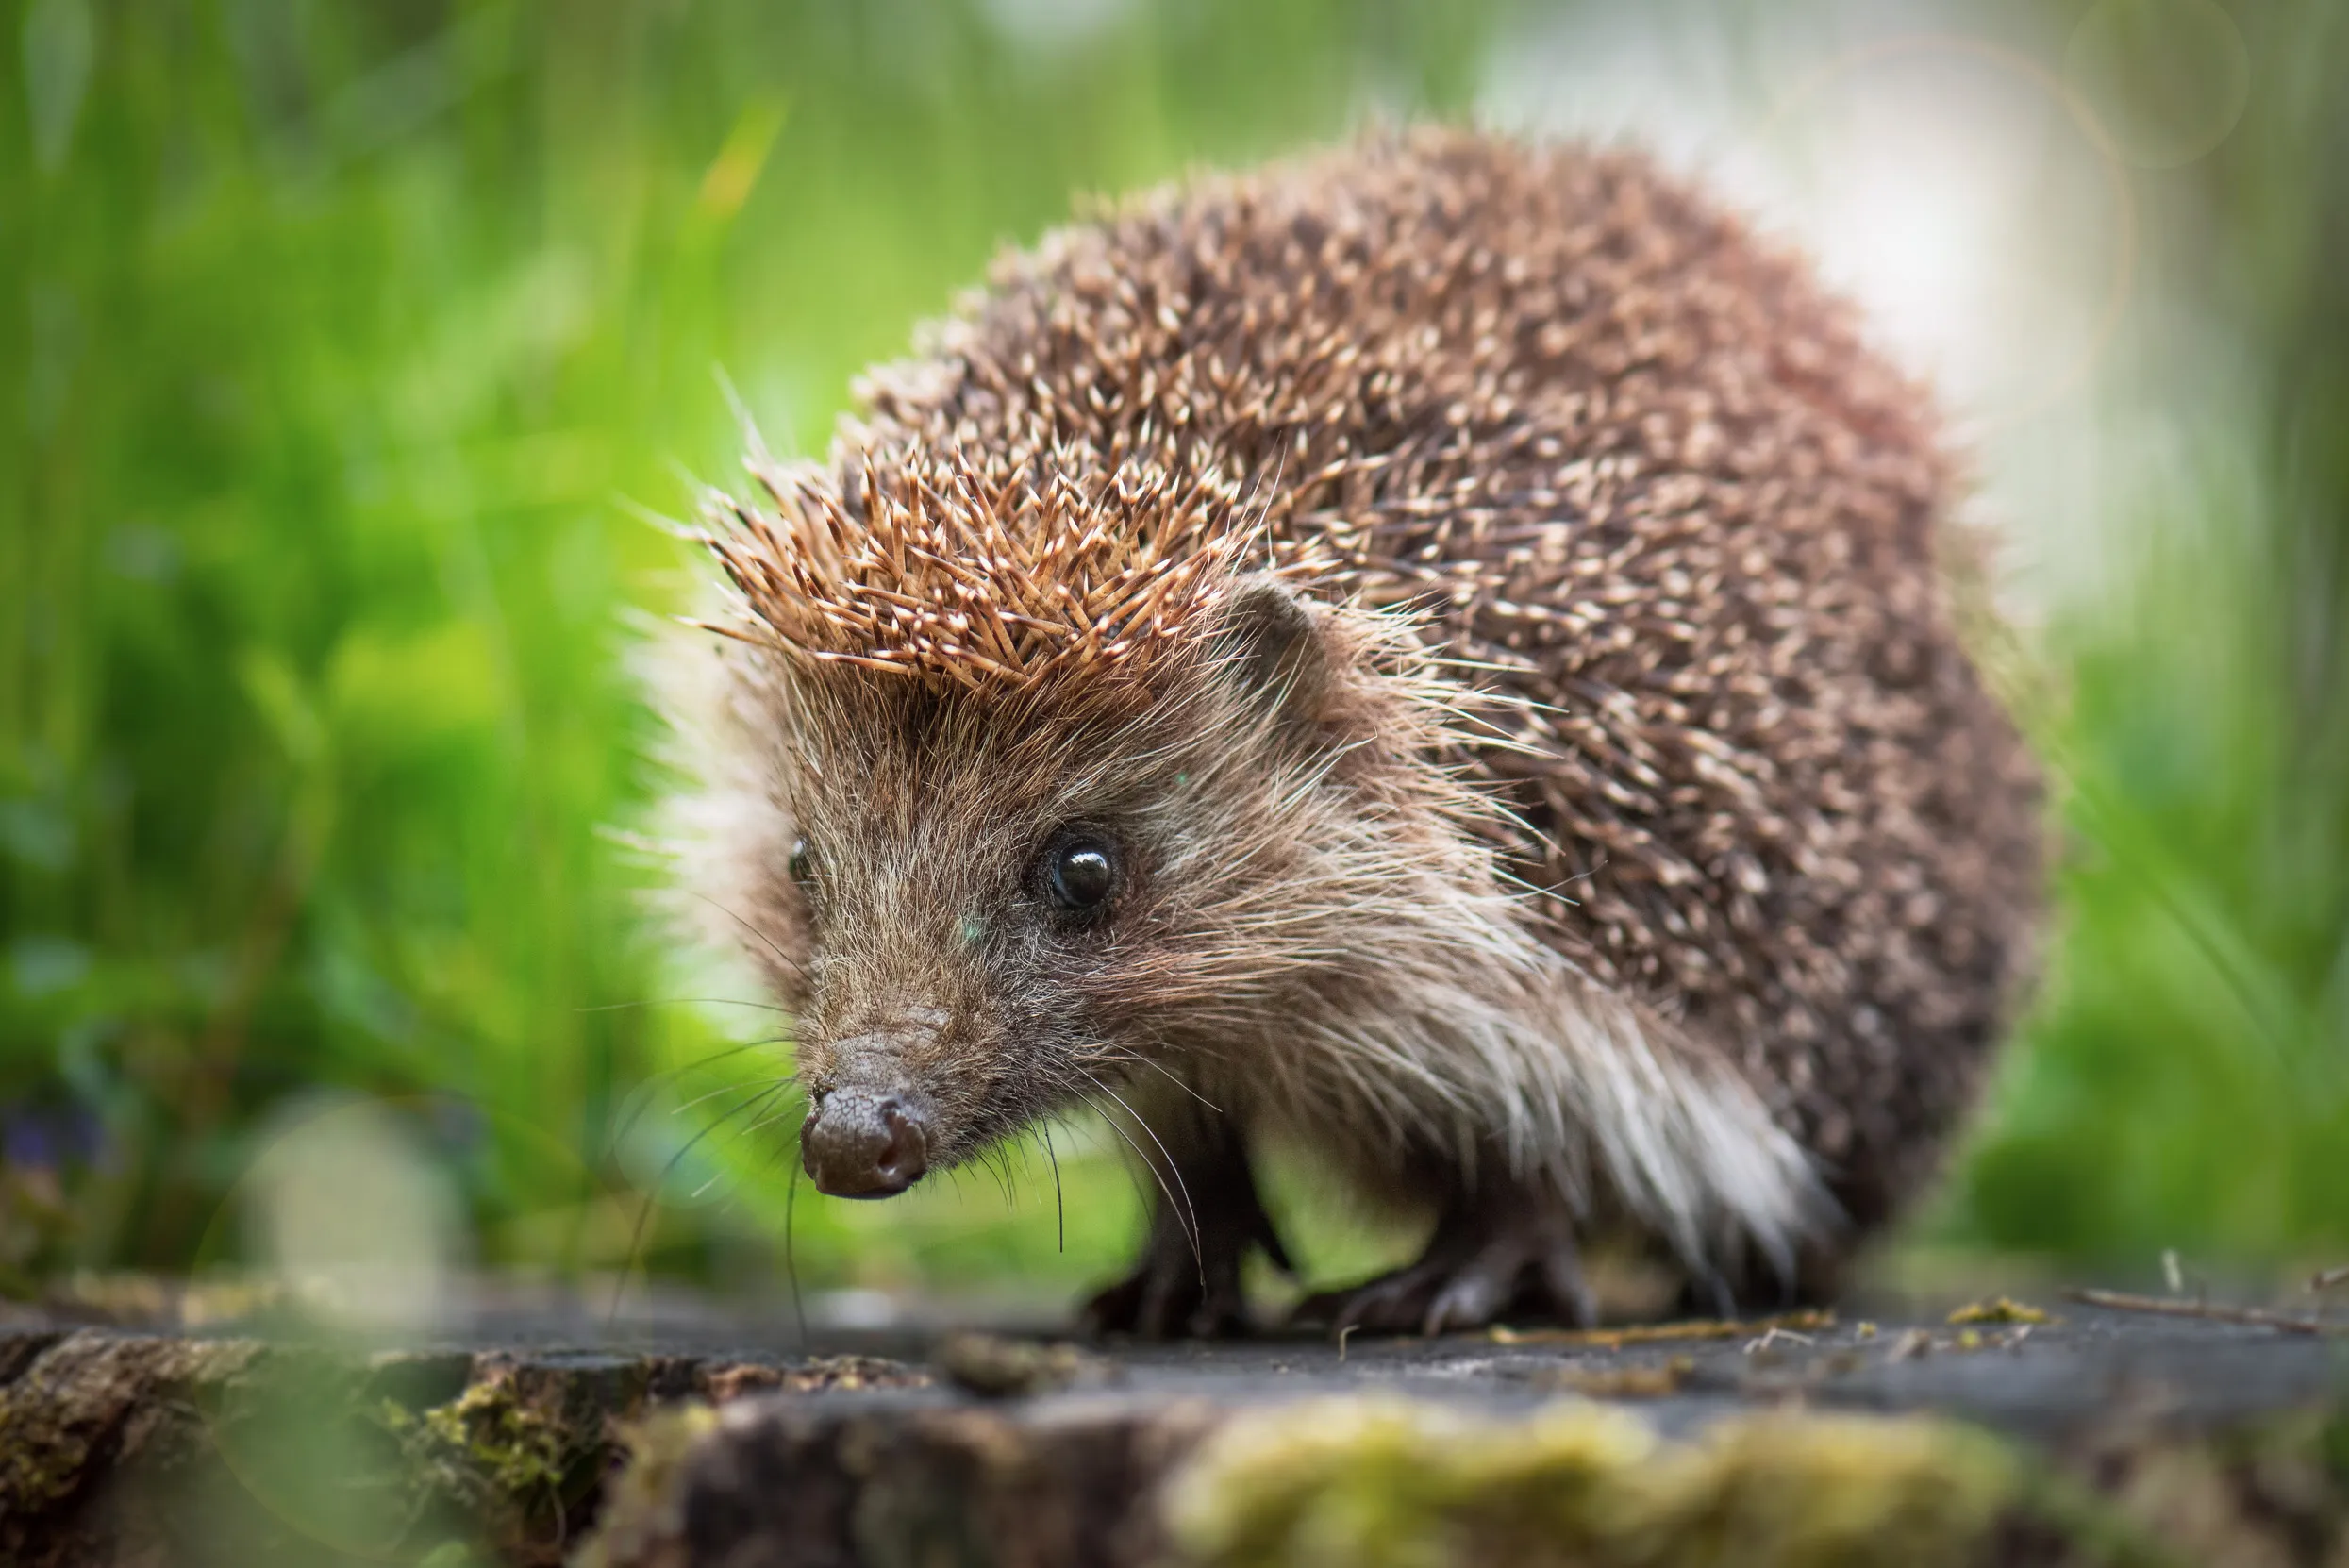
[[957, 901], [996, 910]]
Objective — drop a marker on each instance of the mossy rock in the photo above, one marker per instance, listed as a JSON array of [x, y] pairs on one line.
[[1772, 1444], [118, 1447], [1391, 1483]]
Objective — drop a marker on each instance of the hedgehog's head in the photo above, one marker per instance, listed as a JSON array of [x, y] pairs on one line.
[[1020, 862]]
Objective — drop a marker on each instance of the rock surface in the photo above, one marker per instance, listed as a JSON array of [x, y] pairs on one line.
[[2097, 1436], [240, 1442]]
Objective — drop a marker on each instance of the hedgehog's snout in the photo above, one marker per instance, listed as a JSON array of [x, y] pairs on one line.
[[860, 1143]]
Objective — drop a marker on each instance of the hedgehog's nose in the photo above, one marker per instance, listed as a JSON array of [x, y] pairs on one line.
[[859, 1144]]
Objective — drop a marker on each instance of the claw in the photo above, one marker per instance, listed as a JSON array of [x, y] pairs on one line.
[[1563, 1283], [1470, 1299], [1157, 1304], [1501, 1257]]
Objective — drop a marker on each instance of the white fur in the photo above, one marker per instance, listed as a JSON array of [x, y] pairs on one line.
[[1496, 1043], [714, 831]]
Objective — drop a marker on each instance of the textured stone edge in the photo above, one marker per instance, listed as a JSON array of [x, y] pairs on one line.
[[1127, 1482], [107, 1436], [110, 1441], [889, 1481]]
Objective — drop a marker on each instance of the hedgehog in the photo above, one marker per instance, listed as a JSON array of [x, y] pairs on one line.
[[1444, 655]]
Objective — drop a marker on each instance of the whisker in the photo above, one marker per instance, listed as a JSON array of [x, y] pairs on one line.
[[717, 1176], [728, 1089], [1059, 1208], [1190, 1233], [770, 1121], [652, 1196], [1155, 1066], [685, 1001], [1172, 1168], [791, 1263], [645, 1088], [797, 968], [790, 1196], [999, 1167], [1126, 1167]]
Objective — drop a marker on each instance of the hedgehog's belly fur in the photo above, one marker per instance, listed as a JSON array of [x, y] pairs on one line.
[[1634, 472]]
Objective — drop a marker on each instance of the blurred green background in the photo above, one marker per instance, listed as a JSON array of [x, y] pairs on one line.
[[342, 343]]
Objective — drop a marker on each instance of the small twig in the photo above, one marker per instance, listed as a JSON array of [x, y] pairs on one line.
[[1342, 1335], [2326, 1279], [1650, 1333], [2122, 1301]]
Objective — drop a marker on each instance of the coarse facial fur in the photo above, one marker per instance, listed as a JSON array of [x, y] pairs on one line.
[[1486, 608]]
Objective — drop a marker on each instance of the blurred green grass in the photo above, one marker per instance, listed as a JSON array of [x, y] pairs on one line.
[[340, 340]]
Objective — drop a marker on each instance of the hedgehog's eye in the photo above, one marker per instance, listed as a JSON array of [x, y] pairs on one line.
[[802, 863], [1081, 874]]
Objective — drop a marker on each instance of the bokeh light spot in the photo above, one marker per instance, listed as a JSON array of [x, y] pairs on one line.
[[2167, 78]]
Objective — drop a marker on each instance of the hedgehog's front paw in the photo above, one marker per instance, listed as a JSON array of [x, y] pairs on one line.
[[1169, 1297], [1494, 1257], [1188, 1282]]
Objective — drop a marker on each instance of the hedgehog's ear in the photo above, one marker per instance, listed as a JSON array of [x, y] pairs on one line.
[[1278, 647]]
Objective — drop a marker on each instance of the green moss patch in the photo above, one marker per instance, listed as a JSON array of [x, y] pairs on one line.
[[511, 1460], [1383, 1482]]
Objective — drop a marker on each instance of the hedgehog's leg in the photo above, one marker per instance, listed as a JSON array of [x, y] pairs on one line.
[[1206, 1220], [1495, 1251]]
